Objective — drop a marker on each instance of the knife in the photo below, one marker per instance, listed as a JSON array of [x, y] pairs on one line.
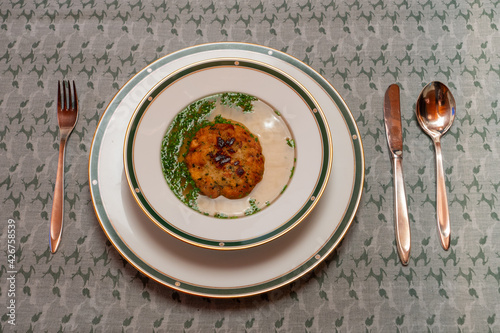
[[394, 133]]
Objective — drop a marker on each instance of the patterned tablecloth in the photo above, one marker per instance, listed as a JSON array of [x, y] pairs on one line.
[[360, 47]]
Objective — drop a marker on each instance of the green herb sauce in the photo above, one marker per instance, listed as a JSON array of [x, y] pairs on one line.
[[243, 101], [253, 207], [183, 128]]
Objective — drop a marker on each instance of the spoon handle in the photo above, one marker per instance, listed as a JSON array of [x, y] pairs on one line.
[[443, 217], [401, 221]]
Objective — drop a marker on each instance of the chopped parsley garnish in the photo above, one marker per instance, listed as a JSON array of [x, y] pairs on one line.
[[243, 101]]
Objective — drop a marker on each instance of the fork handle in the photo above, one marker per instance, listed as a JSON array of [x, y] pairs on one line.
[[56, 218]]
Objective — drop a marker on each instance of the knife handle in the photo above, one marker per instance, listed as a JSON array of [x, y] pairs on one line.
[[401, 221]]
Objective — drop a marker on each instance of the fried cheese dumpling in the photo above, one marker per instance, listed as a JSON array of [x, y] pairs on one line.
[[225, 159]]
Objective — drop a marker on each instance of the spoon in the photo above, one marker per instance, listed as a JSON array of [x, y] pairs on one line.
[[435, 113]]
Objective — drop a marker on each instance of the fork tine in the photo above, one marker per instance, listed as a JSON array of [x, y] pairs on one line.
[[70, 99], [75, 97], [64, 96], [58, 95]]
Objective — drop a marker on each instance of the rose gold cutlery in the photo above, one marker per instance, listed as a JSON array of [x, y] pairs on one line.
[[435, 113], [67, 115], [394, 133]]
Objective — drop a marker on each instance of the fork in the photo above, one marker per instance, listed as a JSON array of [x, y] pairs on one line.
[[67, 115]]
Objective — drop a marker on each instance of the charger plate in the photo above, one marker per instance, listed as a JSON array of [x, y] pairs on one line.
[[296, 197], [200, 271]]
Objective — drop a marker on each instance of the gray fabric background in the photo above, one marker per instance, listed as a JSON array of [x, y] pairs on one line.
[[360, 47]]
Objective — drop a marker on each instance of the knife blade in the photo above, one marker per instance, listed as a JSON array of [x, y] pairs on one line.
[[394, 134]]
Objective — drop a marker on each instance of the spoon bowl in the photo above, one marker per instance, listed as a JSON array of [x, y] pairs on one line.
[[435, 112], [436, 109]]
